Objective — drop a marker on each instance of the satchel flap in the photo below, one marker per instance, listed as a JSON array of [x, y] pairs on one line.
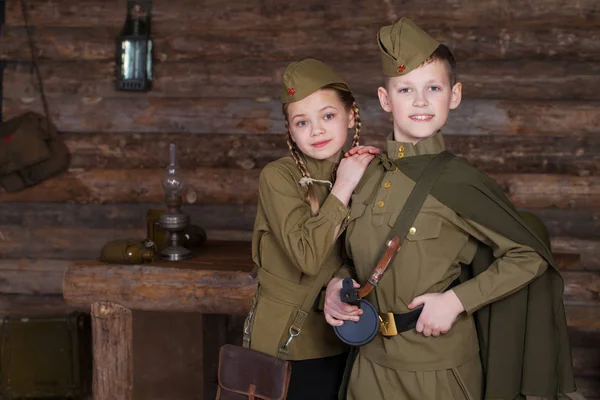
[[239, 368], [23, 143]]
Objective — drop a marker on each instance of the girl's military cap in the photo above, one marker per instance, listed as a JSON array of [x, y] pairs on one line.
[[303, 78], [404, 46]]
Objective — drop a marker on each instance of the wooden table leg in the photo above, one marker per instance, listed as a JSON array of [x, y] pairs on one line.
[[112, 346]]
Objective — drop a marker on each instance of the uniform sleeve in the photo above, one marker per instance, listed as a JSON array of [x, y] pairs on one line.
[[307, 240], [347, 269], [516, 265]]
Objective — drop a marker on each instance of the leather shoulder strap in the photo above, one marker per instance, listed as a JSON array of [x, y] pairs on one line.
[[407, 217]]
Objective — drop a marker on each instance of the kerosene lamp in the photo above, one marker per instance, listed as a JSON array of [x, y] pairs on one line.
[[173, 221]]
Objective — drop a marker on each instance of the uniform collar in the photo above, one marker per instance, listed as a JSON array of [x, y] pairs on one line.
[[431, 145], [320, 169]]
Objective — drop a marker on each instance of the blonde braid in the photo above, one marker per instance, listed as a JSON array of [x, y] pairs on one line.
[[310, 195], [357, 124]]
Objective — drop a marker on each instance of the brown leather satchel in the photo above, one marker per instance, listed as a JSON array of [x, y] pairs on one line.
[[250, 374]]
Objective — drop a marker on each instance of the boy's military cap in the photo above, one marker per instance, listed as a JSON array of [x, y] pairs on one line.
[[404, 46], [302, 78]]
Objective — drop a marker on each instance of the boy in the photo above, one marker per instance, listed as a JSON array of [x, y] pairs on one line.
[[465, 220]]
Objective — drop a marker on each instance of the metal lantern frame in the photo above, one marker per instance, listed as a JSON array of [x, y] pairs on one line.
[[128, 46]]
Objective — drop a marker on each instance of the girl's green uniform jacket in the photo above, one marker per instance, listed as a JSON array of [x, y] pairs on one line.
[[290, 246], [410, 365]]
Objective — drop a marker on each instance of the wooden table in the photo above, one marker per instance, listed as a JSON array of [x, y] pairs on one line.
[[215, 280]]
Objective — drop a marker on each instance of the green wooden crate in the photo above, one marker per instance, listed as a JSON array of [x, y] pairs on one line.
[[49, 357]]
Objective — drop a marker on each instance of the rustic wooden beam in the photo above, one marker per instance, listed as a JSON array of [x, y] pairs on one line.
[[512, 79], [201, 42], [552, 190], [150, 288], [242, 115], [29, 230], [223, 186], [79, 243], [588, 249], [575, 224], [582, 288], [583, 316], [312, 13], [573, 154], [130, 218], [32, 276], [123, 216], [113, 359]]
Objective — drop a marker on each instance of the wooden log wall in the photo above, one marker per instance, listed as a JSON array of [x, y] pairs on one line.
[[530, 118]]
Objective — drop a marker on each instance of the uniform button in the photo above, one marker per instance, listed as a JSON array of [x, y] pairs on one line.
[[387, 185], [380, 204], [401, 148], [400, 155], [395, 170], [412, 230]]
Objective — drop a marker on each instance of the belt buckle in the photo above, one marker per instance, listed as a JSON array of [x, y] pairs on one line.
[[387, 324]]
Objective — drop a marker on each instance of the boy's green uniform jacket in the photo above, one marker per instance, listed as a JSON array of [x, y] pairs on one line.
[[523, 339], [290, 247]]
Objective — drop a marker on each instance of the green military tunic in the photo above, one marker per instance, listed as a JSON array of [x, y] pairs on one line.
[[290, 247], [411, 365]]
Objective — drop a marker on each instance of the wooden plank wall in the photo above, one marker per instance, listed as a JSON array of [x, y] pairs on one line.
[[530, 117]]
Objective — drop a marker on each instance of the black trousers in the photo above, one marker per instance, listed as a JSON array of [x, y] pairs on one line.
[[317, 379]]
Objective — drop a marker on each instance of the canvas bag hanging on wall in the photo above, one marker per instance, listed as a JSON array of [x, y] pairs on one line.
[[30, 147]]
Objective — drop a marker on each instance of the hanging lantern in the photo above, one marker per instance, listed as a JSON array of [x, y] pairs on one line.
[[134, 49]]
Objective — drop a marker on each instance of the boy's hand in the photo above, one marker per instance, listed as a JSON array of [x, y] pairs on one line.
[[439, 312], [336, 311], [362, 150]]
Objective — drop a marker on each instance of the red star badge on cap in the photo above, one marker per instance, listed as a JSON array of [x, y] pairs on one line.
[[291, 91], [401, 68]]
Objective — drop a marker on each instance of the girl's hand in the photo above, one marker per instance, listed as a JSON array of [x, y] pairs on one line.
[[439, 312], [336, 311], [362, 150]]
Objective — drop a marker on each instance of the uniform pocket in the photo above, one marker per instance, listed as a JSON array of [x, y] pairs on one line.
[[272, 319], [425, 227], [466, 381]]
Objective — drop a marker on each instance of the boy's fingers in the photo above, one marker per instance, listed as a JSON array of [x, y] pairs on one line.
[[419, 327], [342, 316], [332, 321]]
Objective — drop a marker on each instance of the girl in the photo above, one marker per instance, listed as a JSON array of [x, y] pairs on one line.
[[302, 210]]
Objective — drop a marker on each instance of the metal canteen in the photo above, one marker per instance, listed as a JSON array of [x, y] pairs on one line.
[[364, 330]]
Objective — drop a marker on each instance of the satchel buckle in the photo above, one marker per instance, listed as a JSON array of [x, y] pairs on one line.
[[387, 324], [293, 334]]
